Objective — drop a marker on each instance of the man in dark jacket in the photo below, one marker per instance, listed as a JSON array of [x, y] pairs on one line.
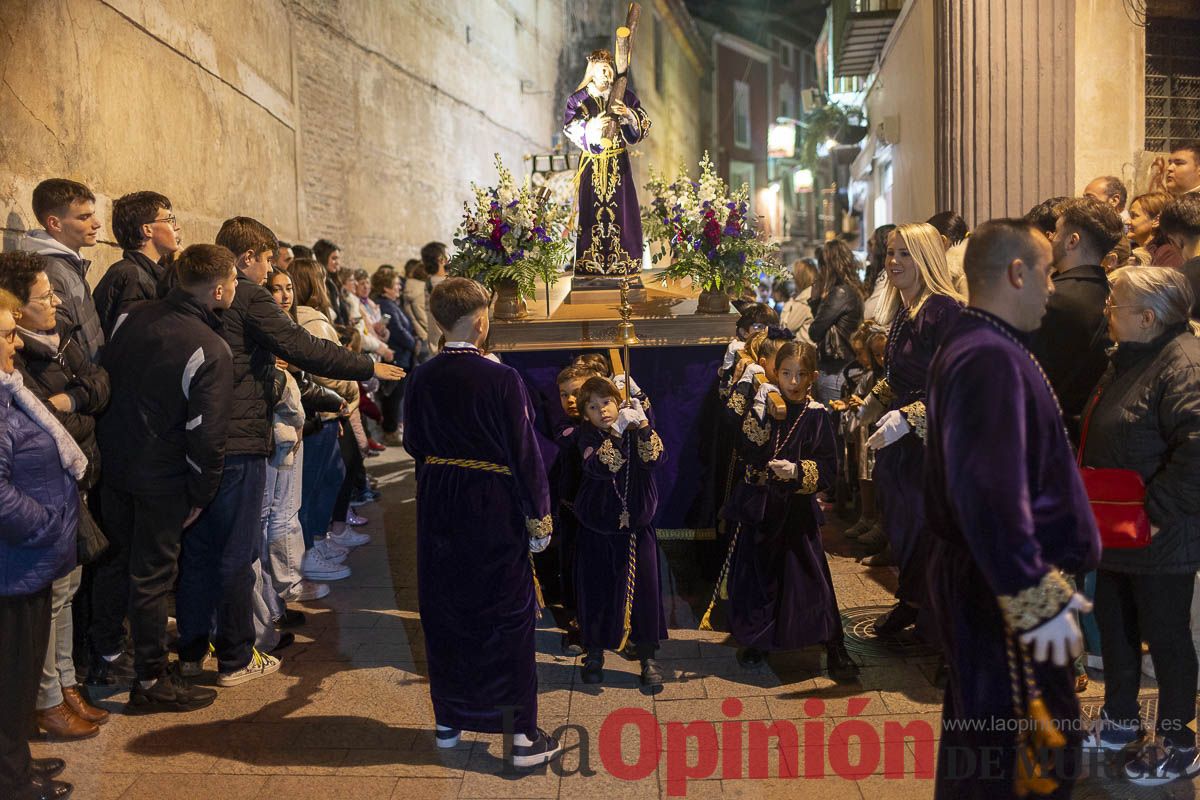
[[66, 210], [1071, 342], [1180, 223], [148, 232], [217, 564], [163, 443]]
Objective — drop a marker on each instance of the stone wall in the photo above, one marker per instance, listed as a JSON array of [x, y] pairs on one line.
[[360, 121]]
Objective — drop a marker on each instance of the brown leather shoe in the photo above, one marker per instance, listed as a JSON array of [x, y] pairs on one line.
[[82, 708], [61, 723]]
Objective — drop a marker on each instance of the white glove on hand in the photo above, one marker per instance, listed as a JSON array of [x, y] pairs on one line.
[[870, 411], [1059, 637], [637, 413], [593, 131], [731, 354], [625, 417], [538, 545], [892, 428], [784, 470], [760, 399], [750, 371]]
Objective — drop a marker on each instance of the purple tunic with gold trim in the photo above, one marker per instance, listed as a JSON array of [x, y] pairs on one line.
[[618, 478], [1007, 511], [610, 219], [475, 515], [781, 594]]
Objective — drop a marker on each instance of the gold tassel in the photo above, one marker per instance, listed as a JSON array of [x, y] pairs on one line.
[[537, 587], [721, 590], [630, 585], [1042, 737]]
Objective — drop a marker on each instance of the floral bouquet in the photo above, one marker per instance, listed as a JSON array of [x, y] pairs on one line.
[[512, 236], [708, 232]]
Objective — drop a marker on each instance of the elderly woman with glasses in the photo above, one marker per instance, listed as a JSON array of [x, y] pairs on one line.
[[1145, 416]]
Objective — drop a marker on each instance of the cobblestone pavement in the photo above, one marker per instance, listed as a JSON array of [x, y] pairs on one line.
[[348, 715]]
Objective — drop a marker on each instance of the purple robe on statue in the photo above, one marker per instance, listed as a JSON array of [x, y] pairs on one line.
[[481, 492], [781, 594], [899, 467], [609, 242], [614, 468], [1007, 510]]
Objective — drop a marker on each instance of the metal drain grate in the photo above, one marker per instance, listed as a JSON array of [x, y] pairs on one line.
[[859, 627]]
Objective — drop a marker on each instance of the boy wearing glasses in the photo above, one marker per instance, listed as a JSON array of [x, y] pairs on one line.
[[149, 234]]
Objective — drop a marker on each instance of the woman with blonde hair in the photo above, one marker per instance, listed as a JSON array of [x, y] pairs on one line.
[[923, 305], [796, 314], [1145, 416]]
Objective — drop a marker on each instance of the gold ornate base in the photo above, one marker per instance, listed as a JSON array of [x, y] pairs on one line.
[[713, 302]]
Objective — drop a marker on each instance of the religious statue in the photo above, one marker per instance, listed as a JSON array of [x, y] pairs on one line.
[[602, 121]]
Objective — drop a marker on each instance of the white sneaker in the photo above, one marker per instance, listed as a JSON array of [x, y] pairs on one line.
[[331, 551], [316, 568], [260, 665], [312, 591], [349, 538]]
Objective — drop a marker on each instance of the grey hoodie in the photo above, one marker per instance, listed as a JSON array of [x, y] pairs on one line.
[[67, 271]]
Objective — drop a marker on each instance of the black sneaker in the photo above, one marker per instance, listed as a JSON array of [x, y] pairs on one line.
[[838, 663], [593, 667], [544, 748], [290, 618], [446, 738], [102, 672], [750, 658], [900, 617], [1158, 764], [169, 693]]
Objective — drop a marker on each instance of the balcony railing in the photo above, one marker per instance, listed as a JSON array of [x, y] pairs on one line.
[[859, 30]]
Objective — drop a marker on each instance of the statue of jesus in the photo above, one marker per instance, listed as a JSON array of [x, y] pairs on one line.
[[609, 245]]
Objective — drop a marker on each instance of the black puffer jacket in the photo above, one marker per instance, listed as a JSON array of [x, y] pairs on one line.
[[257, 331], [48, 371], [1147, 418], [133, 279], [840, 310]]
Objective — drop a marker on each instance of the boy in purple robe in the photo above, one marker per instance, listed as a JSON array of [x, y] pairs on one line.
[[609, 244], [781, 594], [483, 506], [565, 474], [616, 555], [1008, 517]]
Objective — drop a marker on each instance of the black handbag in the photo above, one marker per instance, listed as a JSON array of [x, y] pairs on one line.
[[90, 541]]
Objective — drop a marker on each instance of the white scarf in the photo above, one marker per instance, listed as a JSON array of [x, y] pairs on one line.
[[69, 455]]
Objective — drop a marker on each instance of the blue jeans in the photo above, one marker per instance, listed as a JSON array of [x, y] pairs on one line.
[[828, 387], [283, 538], [216, 568], [324, 471]]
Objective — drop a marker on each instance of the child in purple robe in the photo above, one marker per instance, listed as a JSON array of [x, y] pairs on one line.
[[564, 485], [781, 594], [616, 558]]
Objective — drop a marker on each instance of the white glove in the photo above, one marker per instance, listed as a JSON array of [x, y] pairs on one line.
[[892, 428], [538, 545], [625, 417], [1059, 637], [637, 413], [760, 399], [750, 371], [731, 354], [784, 470], [870, 411], [593, 131], [619, 379]]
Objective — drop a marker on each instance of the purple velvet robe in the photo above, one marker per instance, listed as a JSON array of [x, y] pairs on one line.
[[781, 594], [474, 580], [565, 475], [609, 242], [1006, 506], [614, 467], [899, 467]]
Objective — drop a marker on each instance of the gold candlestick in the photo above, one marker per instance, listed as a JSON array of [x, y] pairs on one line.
[[626, 335]]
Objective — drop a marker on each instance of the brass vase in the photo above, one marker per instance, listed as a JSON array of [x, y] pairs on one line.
[[713, 301], [509, 303]]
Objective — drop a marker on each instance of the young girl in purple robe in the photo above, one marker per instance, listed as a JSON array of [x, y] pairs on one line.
[[616, 556], [781, 594]]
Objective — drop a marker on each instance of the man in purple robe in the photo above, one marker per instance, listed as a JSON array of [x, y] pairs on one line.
[[609, 244], [1009, 516], [483, 506]]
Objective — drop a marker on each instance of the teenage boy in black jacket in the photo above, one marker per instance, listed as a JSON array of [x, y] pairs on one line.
[[146, 229], [216, 569], [163, 446]]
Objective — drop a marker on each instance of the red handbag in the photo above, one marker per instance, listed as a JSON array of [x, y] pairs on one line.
[[1117, 497]]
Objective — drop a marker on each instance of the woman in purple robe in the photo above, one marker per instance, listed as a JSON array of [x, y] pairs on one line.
[[610, 219], [922, 304], [482, 505], [616, 553], [781, 594]]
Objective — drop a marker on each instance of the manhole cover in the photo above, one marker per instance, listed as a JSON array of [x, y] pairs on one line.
[[859, 626]]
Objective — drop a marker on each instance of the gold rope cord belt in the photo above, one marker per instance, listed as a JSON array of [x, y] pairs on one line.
[[601, 162], [469, 463], [488, 466]]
